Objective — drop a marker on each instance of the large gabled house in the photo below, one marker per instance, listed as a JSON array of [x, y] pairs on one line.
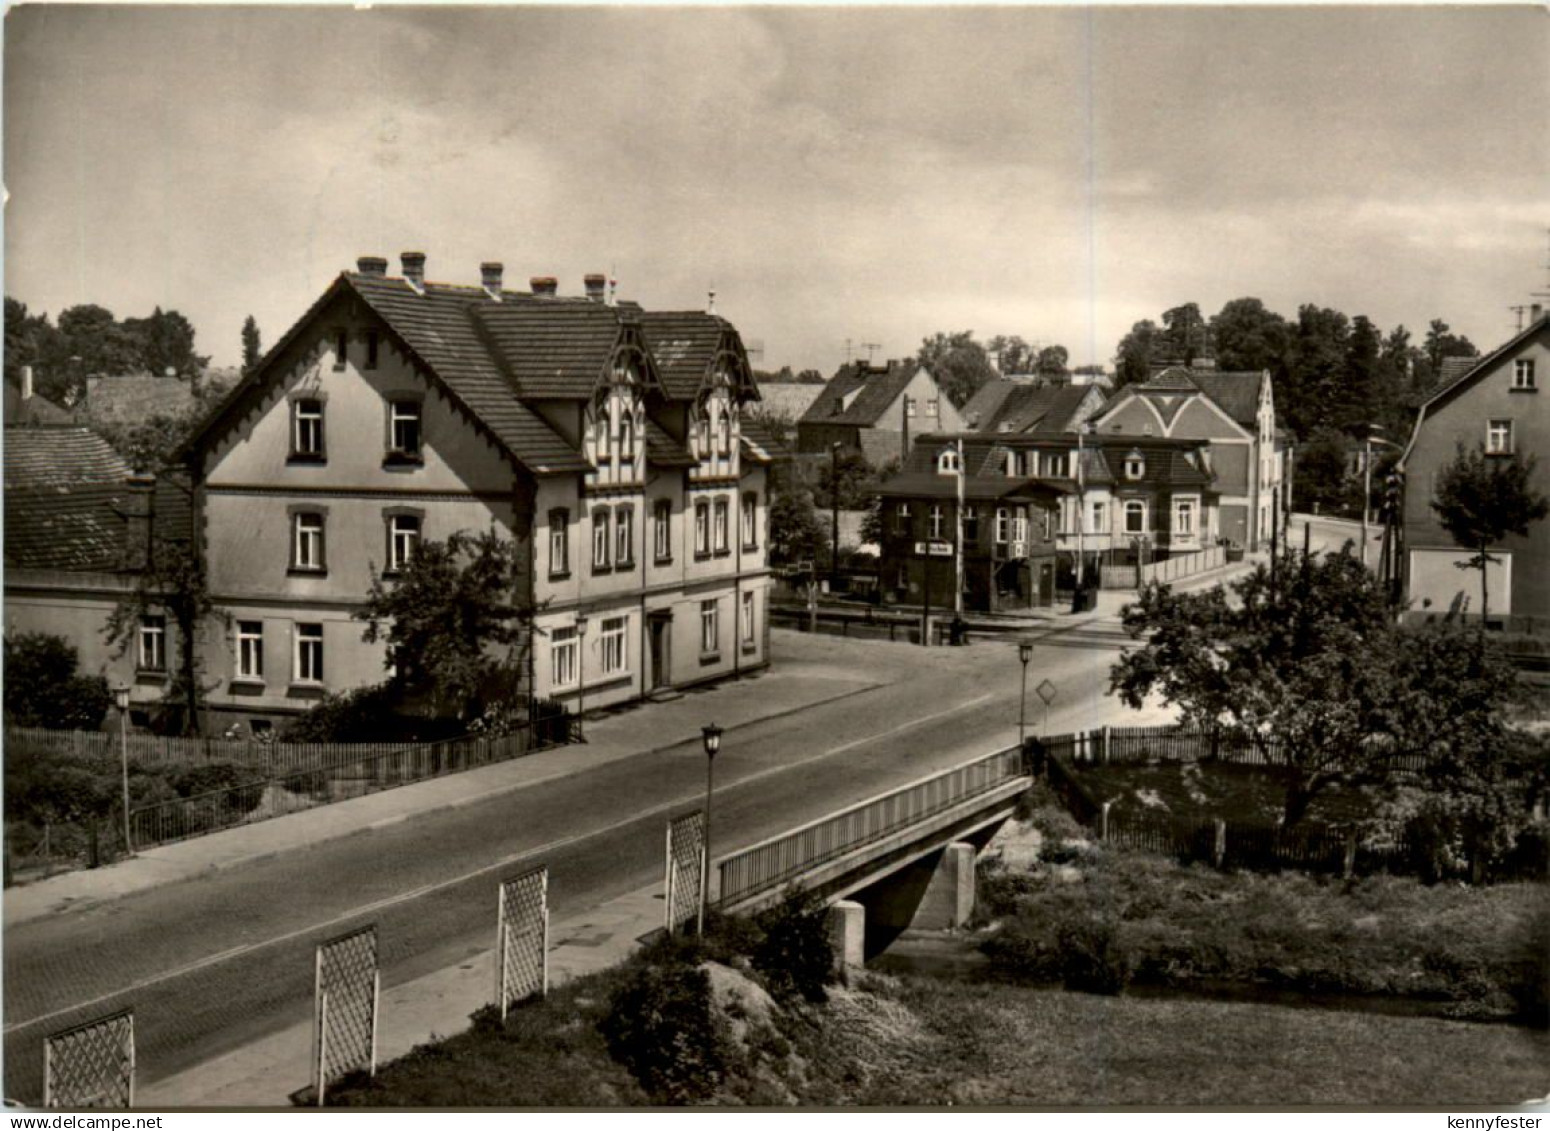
[[1235, 413], [876, 410], [1497, 403], [603, 439]]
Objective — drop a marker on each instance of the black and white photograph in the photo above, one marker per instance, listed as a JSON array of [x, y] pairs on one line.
[[776, 556]]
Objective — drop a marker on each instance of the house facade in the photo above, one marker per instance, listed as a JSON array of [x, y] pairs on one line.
[[1008, 528], [876, 410], [1498, 404], [1234, 412], [603, 440]]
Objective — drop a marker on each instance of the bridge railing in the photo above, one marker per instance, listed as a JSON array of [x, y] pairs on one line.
[[782, 859]]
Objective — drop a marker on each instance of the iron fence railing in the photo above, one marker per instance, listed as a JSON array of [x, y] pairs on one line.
[[336, 776], [778, 861]]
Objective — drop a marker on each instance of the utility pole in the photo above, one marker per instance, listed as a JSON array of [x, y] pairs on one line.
[[869, 347], [1081, 508]]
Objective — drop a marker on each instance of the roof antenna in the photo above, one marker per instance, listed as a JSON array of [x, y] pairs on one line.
[[710, 307], [613, 284]]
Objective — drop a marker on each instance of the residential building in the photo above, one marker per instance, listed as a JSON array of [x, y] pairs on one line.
[[1499, 404], [876, 410], [1009, 521], [605, 440], [1043, 407], [1235, 413], [25, 407]]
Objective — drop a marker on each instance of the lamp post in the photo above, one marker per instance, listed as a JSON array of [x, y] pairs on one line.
[[1024, 653], [712, 736], [834, 508], [1367, 476], [121, 701], [581, 676]]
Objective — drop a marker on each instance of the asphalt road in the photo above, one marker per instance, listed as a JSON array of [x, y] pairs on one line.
[[212, 964]]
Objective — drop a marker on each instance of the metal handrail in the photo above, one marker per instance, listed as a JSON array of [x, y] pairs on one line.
[[780, 859]]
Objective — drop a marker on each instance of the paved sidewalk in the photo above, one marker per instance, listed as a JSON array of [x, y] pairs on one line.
[[650, 727]]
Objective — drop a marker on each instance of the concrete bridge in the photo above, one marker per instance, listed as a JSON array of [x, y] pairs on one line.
[[899, 860]]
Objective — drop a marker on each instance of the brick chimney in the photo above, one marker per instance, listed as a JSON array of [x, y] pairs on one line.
[[372, 265], [490, 275], [26, 382], [137, 518], [595, 285], [544, 286], [414, 269]]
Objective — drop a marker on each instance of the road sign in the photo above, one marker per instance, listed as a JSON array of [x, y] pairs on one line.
[[1046, 691], [934, 549]]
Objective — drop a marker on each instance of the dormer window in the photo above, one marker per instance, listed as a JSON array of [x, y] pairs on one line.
[[947, 462], [724, 432], [600, 434], [704, 434], [1135, 466], [627, 438]]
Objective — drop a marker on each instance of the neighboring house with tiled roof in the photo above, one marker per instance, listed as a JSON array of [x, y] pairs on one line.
[[788, 399], [1235, 413], [1019, 406], [1498, 402], [606, 440], [130, 398], [58, 456], [875, 409], [25, 407]]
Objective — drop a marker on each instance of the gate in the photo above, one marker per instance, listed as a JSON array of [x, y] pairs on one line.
[[347, 984], [522, 940], [91, 1065], [685, 868]]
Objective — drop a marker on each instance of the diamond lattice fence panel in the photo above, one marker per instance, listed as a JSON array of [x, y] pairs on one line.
[[346, 1018], [522, 966], [91, 1065], [685, 859]]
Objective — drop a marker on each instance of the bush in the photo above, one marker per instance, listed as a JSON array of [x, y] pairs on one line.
[[1091, 957], [366, 714], [661, 1025], [42, 688], [795, 954]]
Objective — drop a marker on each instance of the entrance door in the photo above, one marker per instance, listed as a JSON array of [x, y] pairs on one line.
[[661, 649], [1046, 583]]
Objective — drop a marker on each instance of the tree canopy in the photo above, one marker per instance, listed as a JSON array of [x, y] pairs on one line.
[[958, 362], [44, 689], [1481, 499], [453, 619], [1312, 669]]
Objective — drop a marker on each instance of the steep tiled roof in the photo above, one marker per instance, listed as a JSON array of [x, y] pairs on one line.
[[930, 485], [1009, 406], [664, 451], [1167, 462], [552, 348], [34, 410], [51, 457], [790, 400], [684, 344], [763, 440], [132, 397], [860, 397], [1236, 393], [74, 528]]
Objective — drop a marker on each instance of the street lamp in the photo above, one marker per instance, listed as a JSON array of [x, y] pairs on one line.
[[1367, 477], [712, 736], [581, 676], [121, 701], [834, 508], [1024, 653]]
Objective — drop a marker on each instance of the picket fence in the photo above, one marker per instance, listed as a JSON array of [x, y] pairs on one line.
[[1124, 746]]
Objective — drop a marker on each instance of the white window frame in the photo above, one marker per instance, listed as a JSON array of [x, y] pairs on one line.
[[624, 535], [1003, 526], [1100, 506], [307, 545], [662, 530], [710, 627], [405, 412], [151, 652], [307, 654], [938, 520], [564, 656], [601, 435], [947, 462], [559, 541], [724, 432], [611, 645], [702, 528], [1135, 506], [403, 538], [626, 438], [1498, 438], [1523, 373], [1184, 518], [971, 524], [931, 406], [721, 524], [909, 406], [307, 427], [750, 622], [750, 505], [901, 519], [1135, 467], [250, 650], [1020, 528], [602, 547]]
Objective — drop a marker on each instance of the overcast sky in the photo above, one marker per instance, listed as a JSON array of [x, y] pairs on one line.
[[872, 174]]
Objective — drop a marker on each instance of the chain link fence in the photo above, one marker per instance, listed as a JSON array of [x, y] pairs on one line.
[[522, 940], [91, 1065]]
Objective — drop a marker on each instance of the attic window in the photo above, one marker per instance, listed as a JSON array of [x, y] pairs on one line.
[[1135, 466], [947, 462]]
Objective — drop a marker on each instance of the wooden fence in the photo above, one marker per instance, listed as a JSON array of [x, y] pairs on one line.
[[1183, 565], [1125, 746]]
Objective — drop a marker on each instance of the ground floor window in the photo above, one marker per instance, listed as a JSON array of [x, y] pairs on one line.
[[748, 618], [250, 649], [710, 626], [612, 643], [309, 653], [153, 644], [1135, 517], [562, 656]]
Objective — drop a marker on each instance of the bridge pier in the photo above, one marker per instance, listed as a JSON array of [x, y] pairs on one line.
[[935, 893], [847, 931]]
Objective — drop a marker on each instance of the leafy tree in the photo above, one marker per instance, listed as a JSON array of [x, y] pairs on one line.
[[1133, 362], [1480, 500], [810, 377], [1315, 370], [252, 346], [1248, 337], [1321, 482], [1313, 672], [44, 689], [1441, 343], [850, 475], [165, 343], [172, 584], [1185, 334], [1013, 355], [796, 532], [1090, 371], [1053, 361], [446, 614], [959, 364], [150, 444]]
